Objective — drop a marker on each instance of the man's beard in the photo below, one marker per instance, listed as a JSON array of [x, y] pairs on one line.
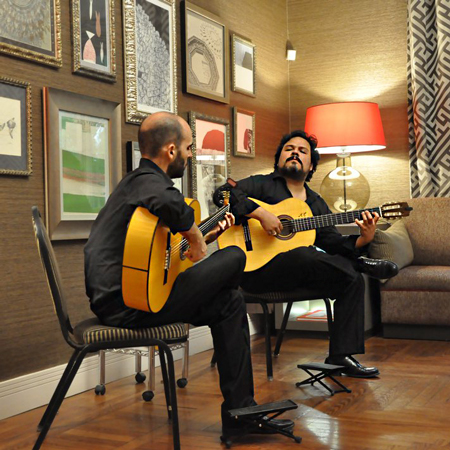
[[293, 173], [176, 167]]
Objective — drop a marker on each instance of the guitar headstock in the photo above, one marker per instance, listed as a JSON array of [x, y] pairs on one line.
[[226, 197], [394, 210]]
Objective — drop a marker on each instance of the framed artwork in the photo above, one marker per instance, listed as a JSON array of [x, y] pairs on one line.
[[83, 160], [244, 133], [243, 65], [150, 58], [32, 29], [210, 165], [15, 127], [93, 34], [134, 157], [206, 54]]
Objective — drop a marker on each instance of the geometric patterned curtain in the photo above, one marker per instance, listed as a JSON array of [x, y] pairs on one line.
[[428, 47]]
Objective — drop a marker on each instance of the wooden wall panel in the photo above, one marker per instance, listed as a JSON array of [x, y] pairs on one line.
[[354, 51], [30, 339]]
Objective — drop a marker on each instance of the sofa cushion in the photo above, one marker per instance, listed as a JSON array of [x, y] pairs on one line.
[[420, 278], [393, 244]]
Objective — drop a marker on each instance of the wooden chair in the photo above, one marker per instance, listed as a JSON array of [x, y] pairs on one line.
[[90, 336]]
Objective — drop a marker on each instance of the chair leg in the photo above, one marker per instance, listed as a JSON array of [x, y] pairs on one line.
[[282, 330], [213, 359], [151, 369], [162, 360], [185, 369], [269, 367], [329, 314], [58, 389], [58, 396], [173, 395]]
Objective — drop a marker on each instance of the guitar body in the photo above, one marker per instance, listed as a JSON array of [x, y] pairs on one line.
[[147, 275], [265, 247]]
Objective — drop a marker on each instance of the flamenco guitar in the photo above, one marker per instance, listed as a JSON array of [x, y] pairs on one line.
[[299, 229], [153, 257]]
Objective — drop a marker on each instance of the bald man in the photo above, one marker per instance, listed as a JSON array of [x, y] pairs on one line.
[[205, 294]]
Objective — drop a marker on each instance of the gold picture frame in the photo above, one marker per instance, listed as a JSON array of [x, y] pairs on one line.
[[150, 72], [83, 160], [243, 65], [32, 31], [94, 38], [243, 133], [15, 127], [211, 161], [206, 54]]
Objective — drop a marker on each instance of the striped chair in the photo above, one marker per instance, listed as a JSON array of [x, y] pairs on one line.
[[90, 336]]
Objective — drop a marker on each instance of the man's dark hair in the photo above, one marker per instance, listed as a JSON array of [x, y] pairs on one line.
[[168, 129], [312, 140]]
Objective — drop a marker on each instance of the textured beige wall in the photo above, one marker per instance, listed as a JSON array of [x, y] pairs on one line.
[[354, 51], [30, 339]]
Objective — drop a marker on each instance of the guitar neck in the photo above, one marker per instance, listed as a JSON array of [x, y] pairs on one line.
[[328, 220]]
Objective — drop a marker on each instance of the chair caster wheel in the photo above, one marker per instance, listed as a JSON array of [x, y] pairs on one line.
[[297, 439], [100, 389], [226, 441], [140, 377], [148, 396], [182, 382]]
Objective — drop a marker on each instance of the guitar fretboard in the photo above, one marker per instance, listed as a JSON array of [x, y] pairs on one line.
[[326, 220]]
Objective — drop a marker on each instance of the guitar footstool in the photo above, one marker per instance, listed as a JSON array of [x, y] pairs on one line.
[[325, 371], [252, 420]]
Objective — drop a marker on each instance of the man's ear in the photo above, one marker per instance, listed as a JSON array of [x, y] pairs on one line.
[[171, 151]]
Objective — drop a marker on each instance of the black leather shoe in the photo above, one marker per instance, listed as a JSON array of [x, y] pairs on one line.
[[377, 268], [352, 367], [257, 427]]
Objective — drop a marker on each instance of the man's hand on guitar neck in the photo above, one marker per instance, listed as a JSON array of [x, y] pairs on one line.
[[227, 222], [367, 228], [197, 244], [269, 221]]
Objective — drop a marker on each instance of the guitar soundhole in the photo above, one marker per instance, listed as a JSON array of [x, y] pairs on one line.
[[286, 232]]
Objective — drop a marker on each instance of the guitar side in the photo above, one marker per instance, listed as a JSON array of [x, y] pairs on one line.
[[145, 283], [263, 247]]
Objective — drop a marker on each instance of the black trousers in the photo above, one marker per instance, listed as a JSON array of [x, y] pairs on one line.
[[206, 294], [338, 279]]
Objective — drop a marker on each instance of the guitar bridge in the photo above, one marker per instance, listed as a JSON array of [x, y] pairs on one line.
[[167, 259]]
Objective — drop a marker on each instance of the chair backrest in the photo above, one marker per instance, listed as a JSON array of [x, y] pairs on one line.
[[51, 271]]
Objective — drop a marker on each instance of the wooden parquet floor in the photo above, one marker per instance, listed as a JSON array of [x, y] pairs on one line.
[[406, 408]]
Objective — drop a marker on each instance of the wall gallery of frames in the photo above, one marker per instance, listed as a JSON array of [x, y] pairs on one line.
[[76, 80]]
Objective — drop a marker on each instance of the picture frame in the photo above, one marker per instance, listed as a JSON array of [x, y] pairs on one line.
[[243, 133], [32, 31], [211, 162], [243, 65], [150, 58], [83, 161], [206, 54], [94, 38], [134, 157], [15, 127]]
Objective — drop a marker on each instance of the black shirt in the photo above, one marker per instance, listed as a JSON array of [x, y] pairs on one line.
[[273, 189], [149, 187]]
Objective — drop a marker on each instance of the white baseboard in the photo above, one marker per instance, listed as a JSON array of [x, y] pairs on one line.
[[35, 389]]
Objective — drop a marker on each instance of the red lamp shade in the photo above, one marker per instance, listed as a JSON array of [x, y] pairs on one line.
[[346, 127]]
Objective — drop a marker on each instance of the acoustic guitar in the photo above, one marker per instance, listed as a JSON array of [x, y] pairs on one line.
[[299, 229], [153, 257]]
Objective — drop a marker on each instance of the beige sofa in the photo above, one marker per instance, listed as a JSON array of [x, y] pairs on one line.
[[416, 303]]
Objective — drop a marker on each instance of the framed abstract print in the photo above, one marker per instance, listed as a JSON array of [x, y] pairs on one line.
[[210, 165], [93, 35], [243, 65], [244, 133], [206, 54], [150, 58], [15, 127], [82, 160], [31, 29]]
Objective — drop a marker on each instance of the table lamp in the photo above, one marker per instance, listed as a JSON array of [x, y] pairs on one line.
[[341, 129]]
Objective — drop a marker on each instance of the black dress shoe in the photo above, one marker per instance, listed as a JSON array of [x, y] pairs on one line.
[[259, 426], [377, 268], [352, 367]]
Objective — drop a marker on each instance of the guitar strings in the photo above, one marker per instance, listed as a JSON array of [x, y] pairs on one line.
[[209, 222]]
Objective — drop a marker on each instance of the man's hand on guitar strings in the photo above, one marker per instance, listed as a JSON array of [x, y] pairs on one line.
[[227, 222], [367, 228]]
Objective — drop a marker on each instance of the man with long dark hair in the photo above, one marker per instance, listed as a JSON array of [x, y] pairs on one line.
[[333, 263]]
